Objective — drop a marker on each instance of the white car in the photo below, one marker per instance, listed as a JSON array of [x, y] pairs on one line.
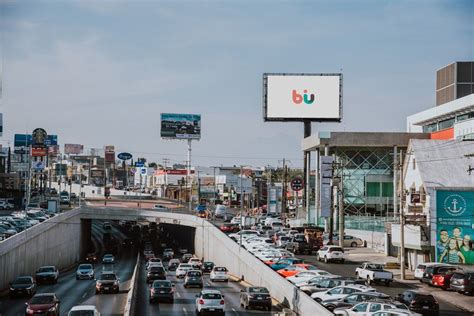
[[220, 211], [304, 277], [235, 220], [395, 312], [420, 269], [370, 307], [340, 291], [195, 263], [210, 301], [182, 269], [81, 310], [219, 274], [330, 253], [153, 262], [245, 234]]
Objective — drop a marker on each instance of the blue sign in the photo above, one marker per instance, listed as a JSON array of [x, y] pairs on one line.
[[26, 140], [455, 227], [139, 164], [124, 156]]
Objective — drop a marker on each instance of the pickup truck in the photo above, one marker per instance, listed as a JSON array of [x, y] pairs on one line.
[[372, 272], [298, 244]]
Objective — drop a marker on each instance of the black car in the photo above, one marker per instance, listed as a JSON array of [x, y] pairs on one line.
[[23, 286], [107, 282], [193, 278], [47, 274], [463, 282], [256, 296], [434, 270], [352, 300], [127, 243], [155, 273], [162, 290], [91, 257], [207, 266], [419, 302]]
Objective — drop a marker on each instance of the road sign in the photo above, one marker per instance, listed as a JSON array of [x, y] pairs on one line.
[[124, 156], [143, 171], [37, 165], [139, 164], [297, 184]]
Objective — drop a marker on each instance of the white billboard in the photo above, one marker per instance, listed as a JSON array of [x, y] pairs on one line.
[[302, 97]]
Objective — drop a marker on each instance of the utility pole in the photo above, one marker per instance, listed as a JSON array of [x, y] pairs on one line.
[[283, 195], [402, 220], [341, 208]]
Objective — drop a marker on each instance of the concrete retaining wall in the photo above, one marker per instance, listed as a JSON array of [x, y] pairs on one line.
[[56, 241]]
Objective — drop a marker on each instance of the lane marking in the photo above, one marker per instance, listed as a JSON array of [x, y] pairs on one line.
[[84, 295], [184, 310], [177, 294]]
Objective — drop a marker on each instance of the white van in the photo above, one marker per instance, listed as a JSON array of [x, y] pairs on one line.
[[220, 211]]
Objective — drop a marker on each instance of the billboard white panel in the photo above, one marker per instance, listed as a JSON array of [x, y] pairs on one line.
[[302, 97]]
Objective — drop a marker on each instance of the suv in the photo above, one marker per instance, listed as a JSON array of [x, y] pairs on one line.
[[210, 301], [161, 290], [47, 274], [85, 271], [330, 253], [463, 282], [434, 270], [107, 282], [420, 269], [155, 273], [423, 303], [193, 278], [256, 296]]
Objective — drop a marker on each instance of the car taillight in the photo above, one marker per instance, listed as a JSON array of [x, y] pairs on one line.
[[201, 302], [222, 302]]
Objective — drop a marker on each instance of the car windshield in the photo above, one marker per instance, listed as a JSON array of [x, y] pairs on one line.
[[161, 284], [42, 299], [24, 280], [211, 296], [85, 267], [46, 269], [184, 266], [258, 290], [156, 269], [194, 274], [108, 256], [220, 269], [107, 276], [335, 249], [81, 313]]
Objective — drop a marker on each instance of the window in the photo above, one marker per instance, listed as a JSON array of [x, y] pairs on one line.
[[373, 189], [362, 307], [337, 290], [446, 124], [352, 299], [430, 128], [349, 290], [387, 189], [375, 307]]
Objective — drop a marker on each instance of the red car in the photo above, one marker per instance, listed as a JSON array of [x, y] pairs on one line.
[[229, 228], [442, 280], [43, 303]]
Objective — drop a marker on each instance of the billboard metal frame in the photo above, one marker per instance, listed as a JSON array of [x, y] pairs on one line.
[[180, 138], [310, 119]]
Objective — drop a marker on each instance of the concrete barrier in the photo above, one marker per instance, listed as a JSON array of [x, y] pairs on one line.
[[131, 296], [56, 241]]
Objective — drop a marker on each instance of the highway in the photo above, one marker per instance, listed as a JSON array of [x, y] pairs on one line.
[[73, 292]]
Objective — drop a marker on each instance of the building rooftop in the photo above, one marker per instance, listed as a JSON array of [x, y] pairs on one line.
[[443, 163], [359, 139]]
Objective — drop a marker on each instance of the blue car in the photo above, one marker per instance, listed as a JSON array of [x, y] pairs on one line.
[[283, 263]]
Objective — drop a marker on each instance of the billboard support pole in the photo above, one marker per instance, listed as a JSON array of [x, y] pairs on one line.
[[306, 171], [188, 174]]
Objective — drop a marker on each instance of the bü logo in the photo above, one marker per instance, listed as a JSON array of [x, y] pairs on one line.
[[298, 98]]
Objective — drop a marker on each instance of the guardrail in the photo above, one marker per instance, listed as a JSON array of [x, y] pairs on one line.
[[130, 305]]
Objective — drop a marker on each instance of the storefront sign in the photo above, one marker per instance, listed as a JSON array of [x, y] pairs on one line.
[[455, 227], [39, 151]]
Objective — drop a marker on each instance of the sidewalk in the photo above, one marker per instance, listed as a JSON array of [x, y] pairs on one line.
[[357, 255]]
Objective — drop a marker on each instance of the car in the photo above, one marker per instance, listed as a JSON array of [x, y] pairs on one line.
[[293, 269], [306, 275], [349, 241], [283, 263], [182, 269], [193, 278], [160, 207], [210, 301], [195, 263], [220, 211], [350, 300], [106, 225], [182, 250], [207, 266], [419, 302], [108, 258], [219, 274], [185, 257], [63, 199], [322, 284], [235, 220], [91, 257], [127, 243], [374, 272], [330, 253], [420, 269], [366, 308], [256, 296], [340, 291], [107, 282], [229, 228], [394, 312], [84, 310], [155, 273], [47, 274], [153, 261], [463, 282], [168, 254], [41, 302], [173, 264], [4, 205], [435, 270], [22, 286], [443, 279], [148, 254], [85, 271], [162, 290]]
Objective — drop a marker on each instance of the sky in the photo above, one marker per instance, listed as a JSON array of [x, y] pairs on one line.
[[101, 72]]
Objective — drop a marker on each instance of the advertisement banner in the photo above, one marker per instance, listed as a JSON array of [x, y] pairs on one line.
[[26, 140], [97, 173], [325, 165], [53, 150], [21, 150], [455, 226], [20, 167], [39, 151], [74, 149], [110, 149], [302, 97], [110, 157], [180, 126]]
